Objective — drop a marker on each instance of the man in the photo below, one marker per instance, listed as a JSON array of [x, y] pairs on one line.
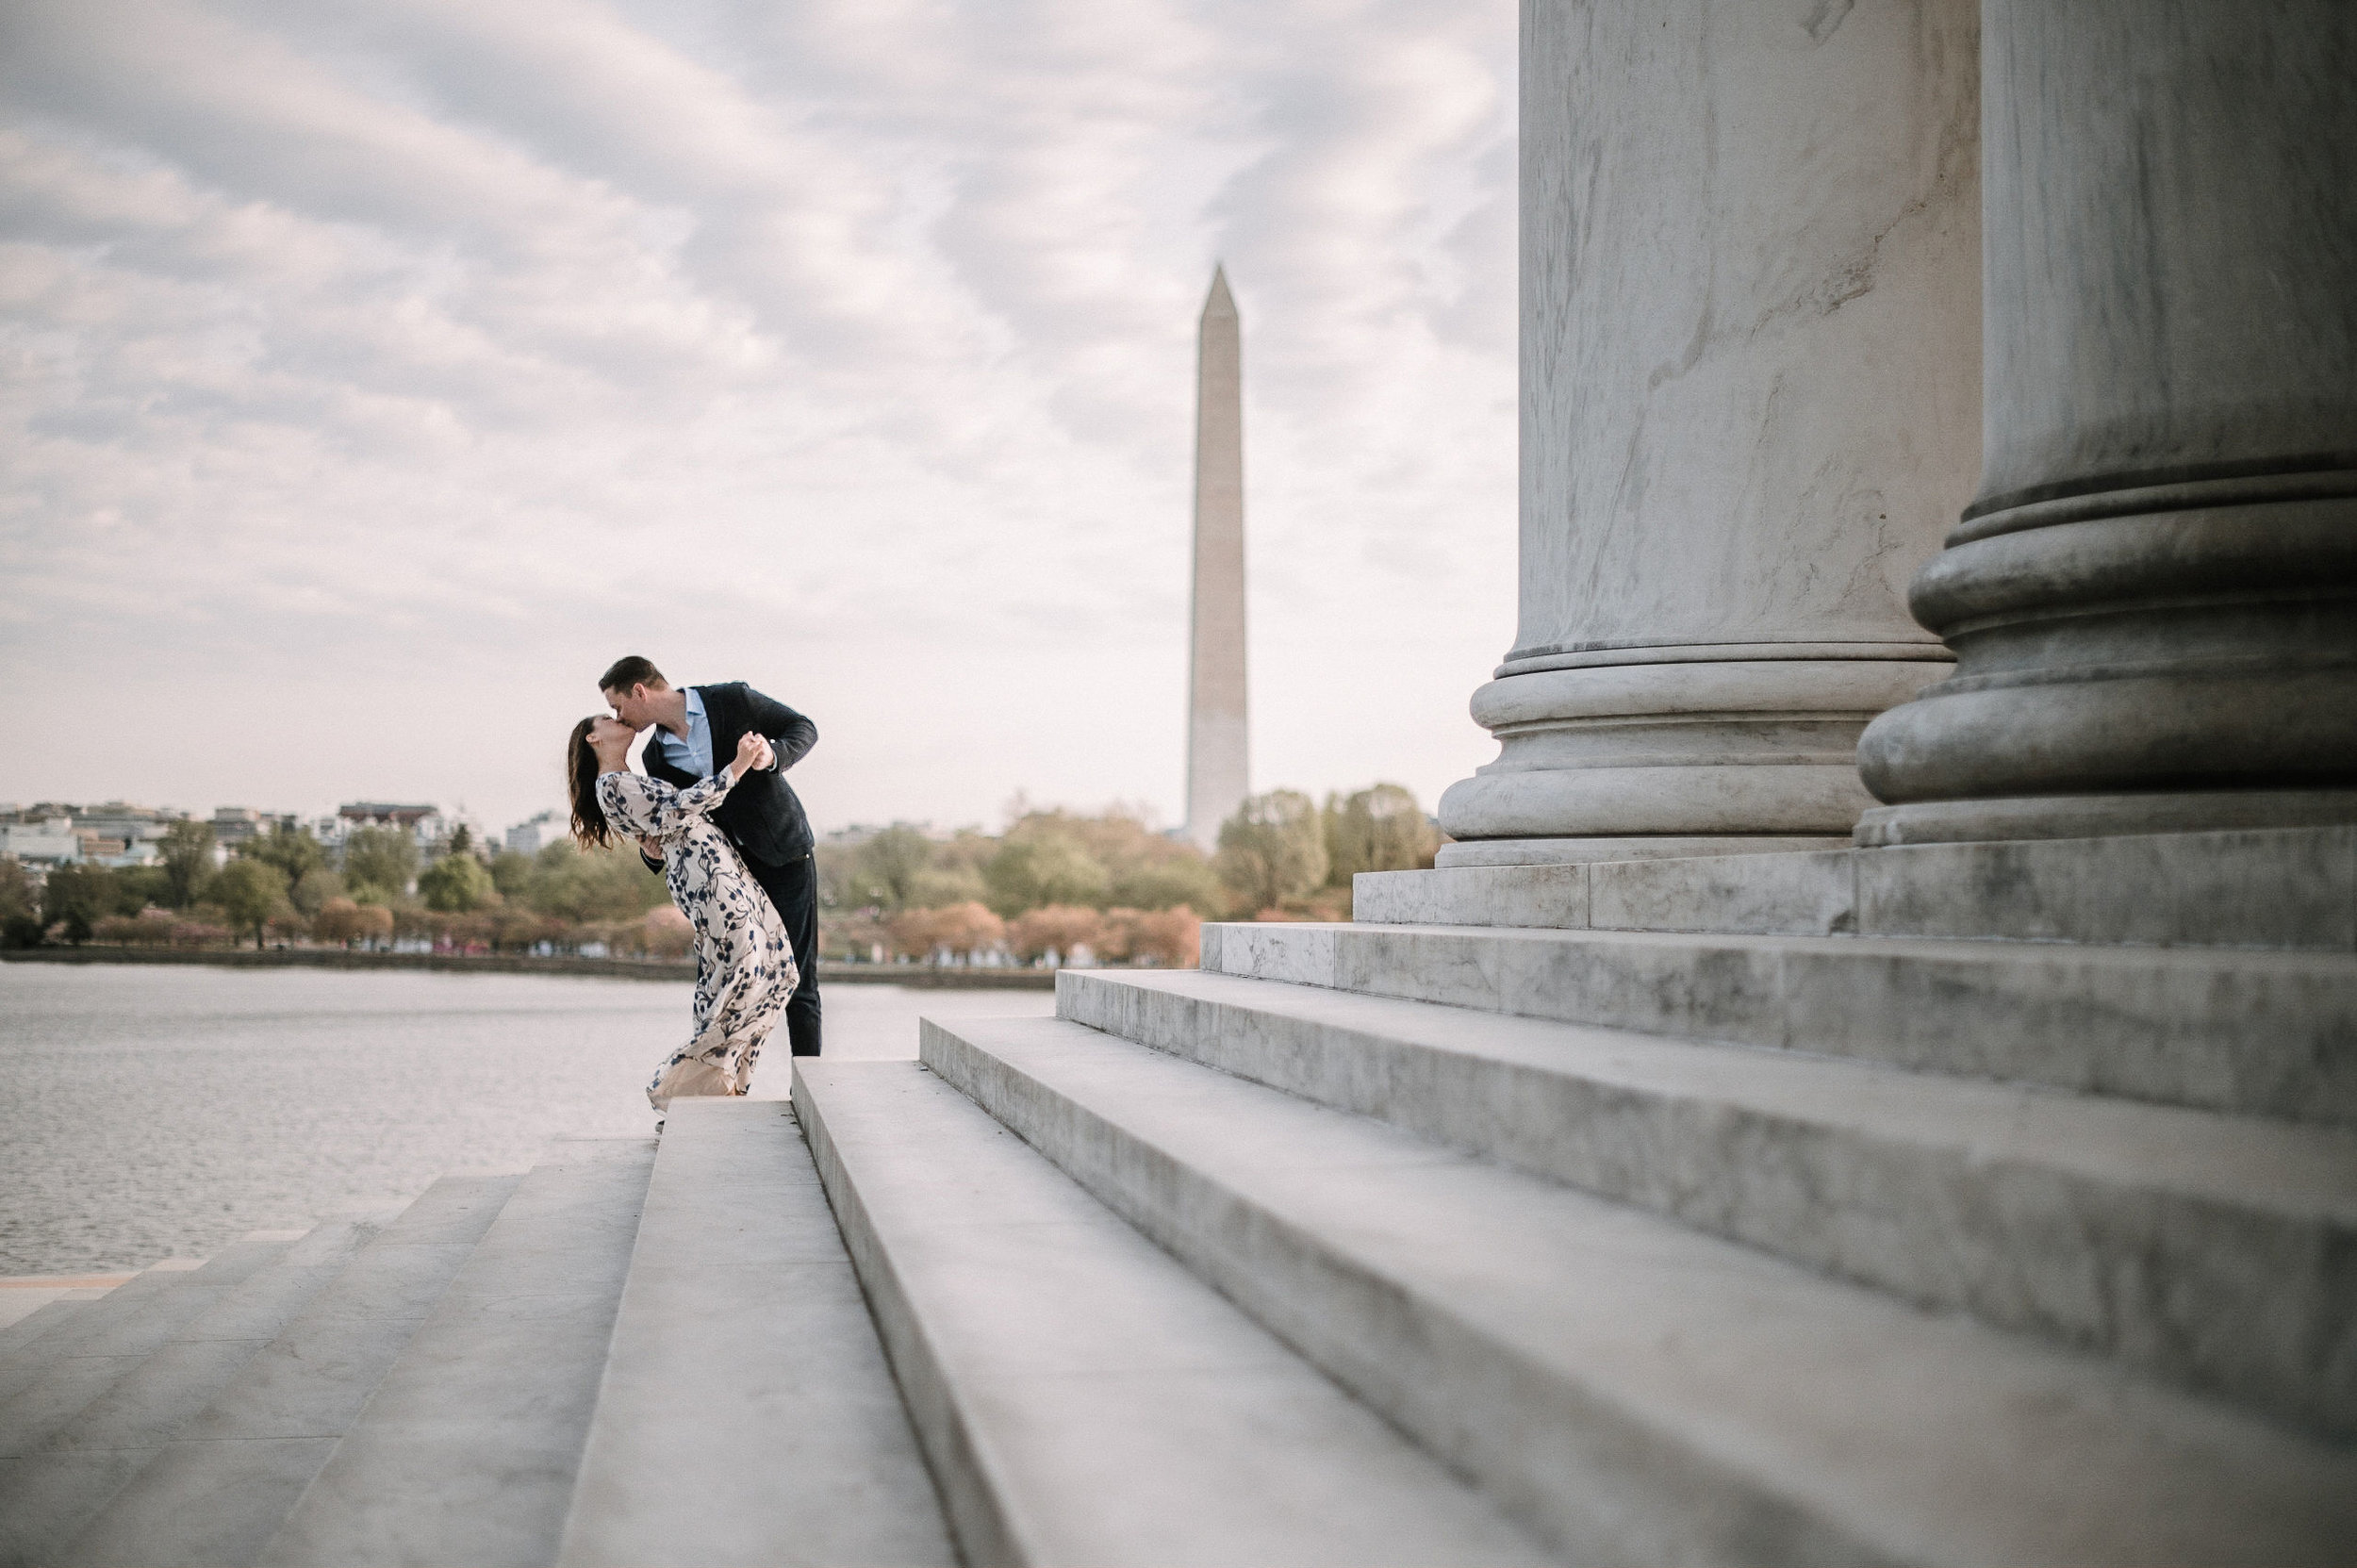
[[762, 815]]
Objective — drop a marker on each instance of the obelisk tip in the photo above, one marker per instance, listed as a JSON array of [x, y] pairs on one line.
[[1219, 300]]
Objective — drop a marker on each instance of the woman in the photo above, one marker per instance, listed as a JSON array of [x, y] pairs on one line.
[[744, 964]]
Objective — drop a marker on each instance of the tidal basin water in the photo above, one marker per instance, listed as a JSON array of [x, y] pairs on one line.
[[149, 1112]]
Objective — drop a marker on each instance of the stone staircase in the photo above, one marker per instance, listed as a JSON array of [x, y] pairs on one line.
[[1998, 1204]]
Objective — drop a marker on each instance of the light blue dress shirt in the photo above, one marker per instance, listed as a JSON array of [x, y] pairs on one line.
[[692, 756]]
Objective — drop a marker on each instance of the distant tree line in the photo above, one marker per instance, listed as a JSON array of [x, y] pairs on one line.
[[1054, 885], [374, 889], [1058, 881]]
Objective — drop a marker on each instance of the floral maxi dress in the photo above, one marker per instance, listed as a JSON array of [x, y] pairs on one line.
[[743, 964]]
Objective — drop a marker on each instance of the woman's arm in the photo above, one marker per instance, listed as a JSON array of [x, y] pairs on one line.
[[700, 797]]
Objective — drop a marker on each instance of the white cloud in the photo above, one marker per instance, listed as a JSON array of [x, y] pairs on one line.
[[376, 372]]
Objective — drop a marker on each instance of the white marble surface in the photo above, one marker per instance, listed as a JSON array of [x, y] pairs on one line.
[[1083, 1398], [19, 1300], [2281, 888], [2172, 264], [468, 1449], [2108, 1224], [1751, 257], [1634, 1390], [1750, 371], [2154, 593], [218, 1489], [2252, 1032], [742, 1340]]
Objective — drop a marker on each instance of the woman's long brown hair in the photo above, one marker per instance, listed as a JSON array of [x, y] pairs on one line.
[[581, 778]]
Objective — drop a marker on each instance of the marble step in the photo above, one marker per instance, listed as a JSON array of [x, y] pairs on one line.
[[1085, 1399], [43, 1320], [1635, 1389], [2260, 1034], [2285, 889], [218, 1490], [26, 1361], [746, 1415], [467, 1451], [114, 1335], [48, 1495], [2205, 1247]]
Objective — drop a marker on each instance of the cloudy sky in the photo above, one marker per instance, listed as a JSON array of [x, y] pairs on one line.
[[376, 373]]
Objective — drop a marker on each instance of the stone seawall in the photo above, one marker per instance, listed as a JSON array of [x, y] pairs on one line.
[[524, 964]]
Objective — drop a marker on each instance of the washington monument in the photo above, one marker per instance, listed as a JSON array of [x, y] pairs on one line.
[[1218, 760]]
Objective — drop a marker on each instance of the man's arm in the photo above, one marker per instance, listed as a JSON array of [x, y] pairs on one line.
[[790, 734]]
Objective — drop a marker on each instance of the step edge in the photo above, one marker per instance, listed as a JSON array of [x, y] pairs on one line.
[[584, 1167], [965, 1471], [2330, 1197], [2003, 1344], [305, 1321]]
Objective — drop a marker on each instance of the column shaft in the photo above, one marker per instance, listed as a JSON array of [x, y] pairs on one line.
[[1750, 358], [2153, 600]]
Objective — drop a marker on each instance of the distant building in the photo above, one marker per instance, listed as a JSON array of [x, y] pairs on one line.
[[41, 842], [234, 825], [120, 819], [423, 823], [531, 837], [140, 851]]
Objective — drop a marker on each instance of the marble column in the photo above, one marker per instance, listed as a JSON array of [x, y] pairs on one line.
[[2153, 600], [1218, 749], [1750, 363]]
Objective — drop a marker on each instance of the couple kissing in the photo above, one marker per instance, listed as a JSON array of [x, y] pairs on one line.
[[714, 813]]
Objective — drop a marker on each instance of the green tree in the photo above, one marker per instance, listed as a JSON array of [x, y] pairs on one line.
[[18, 896], [455, 883], [1182, 879], [251, 892], [188, 861], [885, 869], [1042, 864], [1272, 849], [948, 886], [1378, 828], [319, 887], [596, 884], [20, 907], [137, 886], [77, 895], [292, 849], [512, 873], [303, 859], [378, 864], [462, 841]]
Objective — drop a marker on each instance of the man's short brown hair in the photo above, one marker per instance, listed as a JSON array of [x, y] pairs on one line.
[[631, 671]]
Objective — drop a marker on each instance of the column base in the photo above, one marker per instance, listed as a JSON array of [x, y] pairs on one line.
[[1647, 761], [1578, 852], [2102, 816]]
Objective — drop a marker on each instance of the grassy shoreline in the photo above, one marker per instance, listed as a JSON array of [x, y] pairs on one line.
[[523, 964]]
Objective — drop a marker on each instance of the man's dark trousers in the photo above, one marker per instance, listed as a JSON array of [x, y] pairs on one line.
[[793, 889]]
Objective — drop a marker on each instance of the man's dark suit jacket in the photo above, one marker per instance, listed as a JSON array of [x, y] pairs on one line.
[[761, 814]]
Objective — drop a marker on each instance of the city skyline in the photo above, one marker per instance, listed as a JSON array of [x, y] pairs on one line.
[[387, 378]]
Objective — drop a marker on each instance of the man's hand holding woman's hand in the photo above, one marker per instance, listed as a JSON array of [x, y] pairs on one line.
[[752, 753]]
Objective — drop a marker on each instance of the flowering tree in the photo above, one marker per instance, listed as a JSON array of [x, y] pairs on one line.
[[1169, 938], [1057, 927], [966, 928], [344, 922]]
